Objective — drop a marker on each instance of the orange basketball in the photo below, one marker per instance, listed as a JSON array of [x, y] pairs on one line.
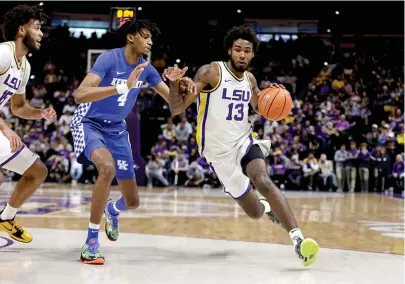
[[274, 103]]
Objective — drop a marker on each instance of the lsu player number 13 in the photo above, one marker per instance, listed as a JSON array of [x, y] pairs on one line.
[[224, 134]]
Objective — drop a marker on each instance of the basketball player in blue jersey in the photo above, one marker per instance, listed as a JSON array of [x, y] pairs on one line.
[[106, 96], [224, 135]]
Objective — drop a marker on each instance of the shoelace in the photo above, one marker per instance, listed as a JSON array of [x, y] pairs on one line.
[[16, 226]]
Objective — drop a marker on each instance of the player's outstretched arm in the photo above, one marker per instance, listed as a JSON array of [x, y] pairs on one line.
[[206, 74], [89, 92]]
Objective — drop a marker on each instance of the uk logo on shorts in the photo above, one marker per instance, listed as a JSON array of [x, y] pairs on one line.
[[122, 165]]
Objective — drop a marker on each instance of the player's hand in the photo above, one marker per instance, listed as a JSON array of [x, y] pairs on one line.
[[15, 141], [49, 114], [276, 85], [188, 85], [174, 73], [135, 74]]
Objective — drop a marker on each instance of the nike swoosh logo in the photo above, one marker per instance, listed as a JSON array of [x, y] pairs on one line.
[[119, 73], [10, 230], [228, 80]]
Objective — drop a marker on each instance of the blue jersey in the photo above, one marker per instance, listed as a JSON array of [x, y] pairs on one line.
[[113, 69]]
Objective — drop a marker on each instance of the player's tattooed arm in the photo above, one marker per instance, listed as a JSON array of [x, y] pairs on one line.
[[255, 92], [207, 75]]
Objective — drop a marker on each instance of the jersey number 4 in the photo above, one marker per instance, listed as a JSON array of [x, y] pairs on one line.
[[122, 99], [239, 109]]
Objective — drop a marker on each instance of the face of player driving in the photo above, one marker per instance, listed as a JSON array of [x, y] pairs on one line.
[[142, 42], [32, 34], [241, 54]]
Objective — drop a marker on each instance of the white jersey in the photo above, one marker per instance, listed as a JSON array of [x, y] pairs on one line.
[[223, 115], [14, 75]]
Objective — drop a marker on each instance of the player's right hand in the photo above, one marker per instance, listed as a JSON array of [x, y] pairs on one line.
[[174, 73], [15, 141], [135, 74]]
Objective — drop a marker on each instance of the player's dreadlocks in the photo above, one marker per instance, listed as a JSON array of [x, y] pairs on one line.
[[136, 26], [241, 32], [20, 16]]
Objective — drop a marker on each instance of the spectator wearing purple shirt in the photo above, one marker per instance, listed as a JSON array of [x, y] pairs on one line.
[[342, 124]]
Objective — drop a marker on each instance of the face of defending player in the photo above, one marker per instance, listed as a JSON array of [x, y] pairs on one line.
[[141, 42], [32, 34], [241, 54]]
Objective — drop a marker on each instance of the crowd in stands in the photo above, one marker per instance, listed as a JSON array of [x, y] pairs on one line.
[[345, 131]]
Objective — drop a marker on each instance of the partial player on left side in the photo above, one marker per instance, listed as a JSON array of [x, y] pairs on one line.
[[22, 32]]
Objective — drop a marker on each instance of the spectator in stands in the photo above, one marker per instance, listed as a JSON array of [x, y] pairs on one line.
[[351, 166], [310, 169], [279, 168], [398, 172], [183, 130], [294, 172], [401, 136], [76, 169], [340, 159], [195, 175], [154, 172], [364, 166], [326, 175], [169, 132], [180, 165], [383, 166]]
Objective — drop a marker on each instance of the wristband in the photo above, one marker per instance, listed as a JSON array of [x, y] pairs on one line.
[[122, 88]]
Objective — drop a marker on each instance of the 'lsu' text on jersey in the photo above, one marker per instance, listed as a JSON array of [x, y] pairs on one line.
[[113, 69], [13, 74]]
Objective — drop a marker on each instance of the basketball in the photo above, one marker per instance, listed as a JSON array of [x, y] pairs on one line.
[[274, 103]]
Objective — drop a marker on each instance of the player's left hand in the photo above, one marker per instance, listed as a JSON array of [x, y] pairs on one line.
[[187, 86], [174, 73], [49, 114]]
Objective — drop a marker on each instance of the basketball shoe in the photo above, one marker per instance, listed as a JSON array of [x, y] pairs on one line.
[[306, 250], [111, 224], [14, 230], [91, 253]]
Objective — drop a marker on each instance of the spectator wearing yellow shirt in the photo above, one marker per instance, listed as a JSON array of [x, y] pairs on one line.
[[338, 83], [401, 137]]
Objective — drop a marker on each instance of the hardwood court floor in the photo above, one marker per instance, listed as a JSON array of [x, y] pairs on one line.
[[195, 229]]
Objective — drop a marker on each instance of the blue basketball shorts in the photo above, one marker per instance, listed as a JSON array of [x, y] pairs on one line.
[[89, 135]]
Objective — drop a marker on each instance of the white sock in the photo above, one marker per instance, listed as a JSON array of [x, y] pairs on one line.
[[266, 204], [8, 212], [94, 226], [295, 235]]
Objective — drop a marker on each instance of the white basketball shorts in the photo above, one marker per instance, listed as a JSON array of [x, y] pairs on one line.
[[229, 170], [19, 161]]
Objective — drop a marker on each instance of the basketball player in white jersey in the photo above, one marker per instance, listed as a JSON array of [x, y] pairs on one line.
[[225, 138], [22, 30]]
